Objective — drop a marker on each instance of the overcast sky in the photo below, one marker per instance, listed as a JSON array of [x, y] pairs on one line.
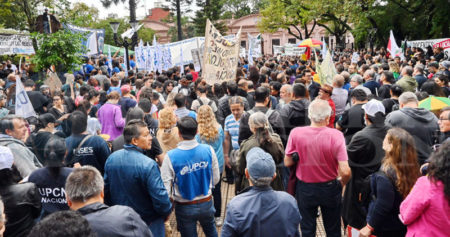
[[121, 9]]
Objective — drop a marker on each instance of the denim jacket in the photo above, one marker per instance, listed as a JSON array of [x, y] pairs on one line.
[[133, 179]]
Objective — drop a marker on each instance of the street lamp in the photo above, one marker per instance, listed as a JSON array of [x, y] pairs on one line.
[[125, 43]]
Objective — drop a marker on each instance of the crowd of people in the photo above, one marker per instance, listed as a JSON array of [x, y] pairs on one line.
[[115, 152]]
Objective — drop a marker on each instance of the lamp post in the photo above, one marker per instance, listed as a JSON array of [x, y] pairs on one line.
[[125, 43]]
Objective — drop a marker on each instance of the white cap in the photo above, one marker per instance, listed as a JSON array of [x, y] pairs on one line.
[[6, 158], [373, 106]]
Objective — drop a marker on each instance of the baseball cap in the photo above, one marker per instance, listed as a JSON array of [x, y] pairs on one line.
[[373, 106], [260, 164], [6, 158]]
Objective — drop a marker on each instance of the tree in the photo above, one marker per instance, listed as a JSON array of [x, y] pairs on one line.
[[131, 3], [80, 15], [186, 26], [236, 8], [209, 9], [63, 49], [289, 15], [181, 7], [146, 34]]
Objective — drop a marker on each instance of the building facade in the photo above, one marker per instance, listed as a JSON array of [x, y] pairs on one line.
[[249, 25]]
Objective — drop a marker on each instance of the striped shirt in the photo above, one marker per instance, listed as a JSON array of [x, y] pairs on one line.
[[232, 127]]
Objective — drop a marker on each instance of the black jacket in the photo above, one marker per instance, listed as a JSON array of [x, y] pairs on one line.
[[114, 221], [365, 153], [295, 114], [313, 90], [22, 206]]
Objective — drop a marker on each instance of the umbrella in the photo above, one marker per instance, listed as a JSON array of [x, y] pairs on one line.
[[434, 103], [310, 43]]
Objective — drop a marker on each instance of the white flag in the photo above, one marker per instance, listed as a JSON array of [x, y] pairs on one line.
[[24, 108], [181, 59], [393, 48], [110, 61], [250, 49]]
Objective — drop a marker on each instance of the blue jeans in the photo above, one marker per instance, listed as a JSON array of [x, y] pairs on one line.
[[157, 228], [188, 215], [327, 196]]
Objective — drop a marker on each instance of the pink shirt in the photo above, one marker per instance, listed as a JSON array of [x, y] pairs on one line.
[[425, 210], [319, 150]]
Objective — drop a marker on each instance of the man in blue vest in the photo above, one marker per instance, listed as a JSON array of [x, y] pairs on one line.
[[189, 172], [133, 179]]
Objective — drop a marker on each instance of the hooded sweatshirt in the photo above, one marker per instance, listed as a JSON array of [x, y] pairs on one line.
[[407, 83], [24, 159], [295, 114], [420, 123]]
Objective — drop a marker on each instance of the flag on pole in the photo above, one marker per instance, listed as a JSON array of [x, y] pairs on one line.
[[250, 49], [393, 48], [23, 106], [324, 49], [110, 61], [181, 59]]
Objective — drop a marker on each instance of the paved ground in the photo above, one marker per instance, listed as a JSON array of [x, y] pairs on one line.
[[227, 195]]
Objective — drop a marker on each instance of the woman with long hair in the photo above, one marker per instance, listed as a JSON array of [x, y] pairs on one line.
[[426, 210], [52, 177], [211, 133], [395, 69], [167, 134], [264, 137], [390, 186], [110, 116]]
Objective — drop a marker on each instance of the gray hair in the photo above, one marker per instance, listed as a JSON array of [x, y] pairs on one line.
[[339, 80], [369, 73], [258, 120], [319, 110], [84, 183], [261, 182], [358, 79], [408, 70], [408, 97], [288, 88]]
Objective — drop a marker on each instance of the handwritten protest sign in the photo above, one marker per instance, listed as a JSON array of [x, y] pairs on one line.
[[220, 56]]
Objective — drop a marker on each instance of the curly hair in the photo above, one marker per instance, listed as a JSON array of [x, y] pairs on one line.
[[167, 118], [394, 67], [439, 169], [207, 125], [400, 162]]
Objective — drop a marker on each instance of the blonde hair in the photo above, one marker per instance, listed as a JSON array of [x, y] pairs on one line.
[[170, 101], [166, 118], [207, 125], [394, 67]]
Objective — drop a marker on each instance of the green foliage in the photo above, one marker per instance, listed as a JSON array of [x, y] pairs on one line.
[[236, 8], [146, 34], [209, 9], [80, 15], [62, 48]]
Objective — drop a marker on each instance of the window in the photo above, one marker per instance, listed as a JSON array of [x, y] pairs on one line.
[[292, 41], [243, 44], [275, 42]]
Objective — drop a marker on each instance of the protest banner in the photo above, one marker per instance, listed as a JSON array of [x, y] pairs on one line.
[[220, 56], [278, 50], [15, 44], [434, 43], [293, 50], [255, 44]]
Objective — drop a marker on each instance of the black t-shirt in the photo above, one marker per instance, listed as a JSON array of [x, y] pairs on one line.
[[51, 189], [152, 124], [94, 151], [38, 100], [390, 105]]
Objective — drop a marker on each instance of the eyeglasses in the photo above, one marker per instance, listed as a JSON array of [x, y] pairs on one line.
[[441, 119]]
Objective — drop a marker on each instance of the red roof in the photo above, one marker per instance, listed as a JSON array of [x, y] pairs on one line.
[[157, 14]]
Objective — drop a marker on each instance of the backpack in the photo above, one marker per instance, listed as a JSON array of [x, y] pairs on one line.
[[201, 102], [268, 113]]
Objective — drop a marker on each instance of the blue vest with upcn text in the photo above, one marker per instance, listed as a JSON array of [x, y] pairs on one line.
[[193, 170]]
